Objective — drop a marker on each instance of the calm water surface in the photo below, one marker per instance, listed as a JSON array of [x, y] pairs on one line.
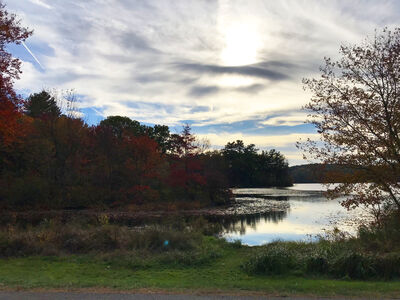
[[305, 214]]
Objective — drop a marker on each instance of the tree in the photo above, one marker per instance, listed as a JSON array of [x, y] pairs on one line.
[[186, 168], [241, 162], [161, 134], [183, 144], [356, 109], [10, 32], [41, 105], [248, 168], [272, 169], [10, 117], [119, 125]]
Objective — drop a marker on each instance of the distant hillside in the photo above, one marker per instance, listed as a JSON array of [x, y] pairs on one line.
[[314, 173]]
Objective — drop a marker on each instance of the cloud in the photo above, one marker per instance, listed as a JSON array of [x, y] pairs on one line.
[[200, 109], [249, 70], [251, 89], [285, 143], [201, 91], [41, 3], [271, 141], [288, 119], [132, 41]]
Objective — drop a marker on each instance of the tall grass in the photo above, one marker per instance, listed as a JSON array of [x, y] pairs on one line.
[[175, 242]]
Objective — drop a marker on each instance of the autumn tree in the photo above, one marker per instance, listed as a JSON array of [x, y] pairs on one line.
[[356, 109], [11, 31], [13, 125], [187, 170], [183, 144]]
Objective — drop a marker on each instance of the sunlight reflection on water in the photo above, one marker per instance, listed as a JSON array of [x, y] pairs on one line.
[[308, 213]]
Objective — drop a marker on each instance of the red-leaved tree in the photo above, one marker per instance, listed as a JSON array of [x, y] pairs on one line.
[[11, 31], [187, 170]]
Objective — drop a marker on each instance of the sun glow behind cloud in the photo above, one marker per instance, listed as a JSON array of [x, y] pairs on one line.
[[241, 44]]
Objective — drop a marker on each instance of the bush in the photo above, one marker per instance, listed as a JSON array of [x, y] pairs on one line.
[[317, 264], [353, 265], [388, 266], [15, 247], [273, 259], [339, 259], [383, 236]]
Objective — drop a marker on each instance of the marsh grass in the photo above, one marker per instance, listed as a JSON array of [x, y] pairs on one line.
[[172, 243]]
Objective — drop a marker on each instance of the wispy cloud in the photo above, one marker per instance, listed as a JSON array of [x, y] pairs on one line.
[[288, 119], [248, 70], [41, 3]]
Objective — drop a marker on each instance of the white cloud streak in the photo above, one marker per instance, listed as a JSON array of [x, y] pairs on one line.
[[41, 3], [33, 55]]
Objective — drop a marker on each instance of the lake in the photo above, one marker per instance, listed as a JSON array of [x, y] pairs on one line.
[[304, 212], [257, 216]]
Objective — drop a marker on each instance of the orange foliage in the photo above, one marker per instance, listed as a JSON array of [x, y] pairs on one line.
[[356, 109], [11, 124]]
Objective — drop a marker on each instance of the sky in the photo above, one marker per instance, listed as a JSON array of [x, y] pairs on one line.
[[230, 69]]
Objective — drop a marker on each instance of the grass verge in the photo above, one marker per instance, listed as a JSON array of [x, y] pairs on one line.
[[133, 271]]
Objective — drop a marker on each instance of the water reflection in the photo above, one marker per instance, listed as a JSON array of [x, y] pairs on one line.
[[240, 224], [300, 213]]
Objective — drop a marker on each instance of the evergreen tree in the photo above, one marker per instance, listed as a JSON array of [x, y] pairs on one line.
[[41, 104]]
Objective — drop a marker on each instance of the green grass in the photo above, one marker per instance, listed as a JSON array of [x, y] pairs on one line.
[[220, 274]]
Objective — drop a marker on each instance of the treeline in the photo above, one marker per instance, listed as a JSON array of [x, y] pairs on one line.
[[246, 167], [61, 162], [309, 173], [323, 173]]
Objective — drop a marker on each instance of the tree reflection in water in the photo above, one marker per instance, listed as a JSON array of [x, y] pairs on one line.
[[238, 224]]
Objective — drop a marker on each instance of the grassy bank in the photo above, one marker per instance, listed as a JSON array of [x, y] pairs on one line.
[[223, 273]]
